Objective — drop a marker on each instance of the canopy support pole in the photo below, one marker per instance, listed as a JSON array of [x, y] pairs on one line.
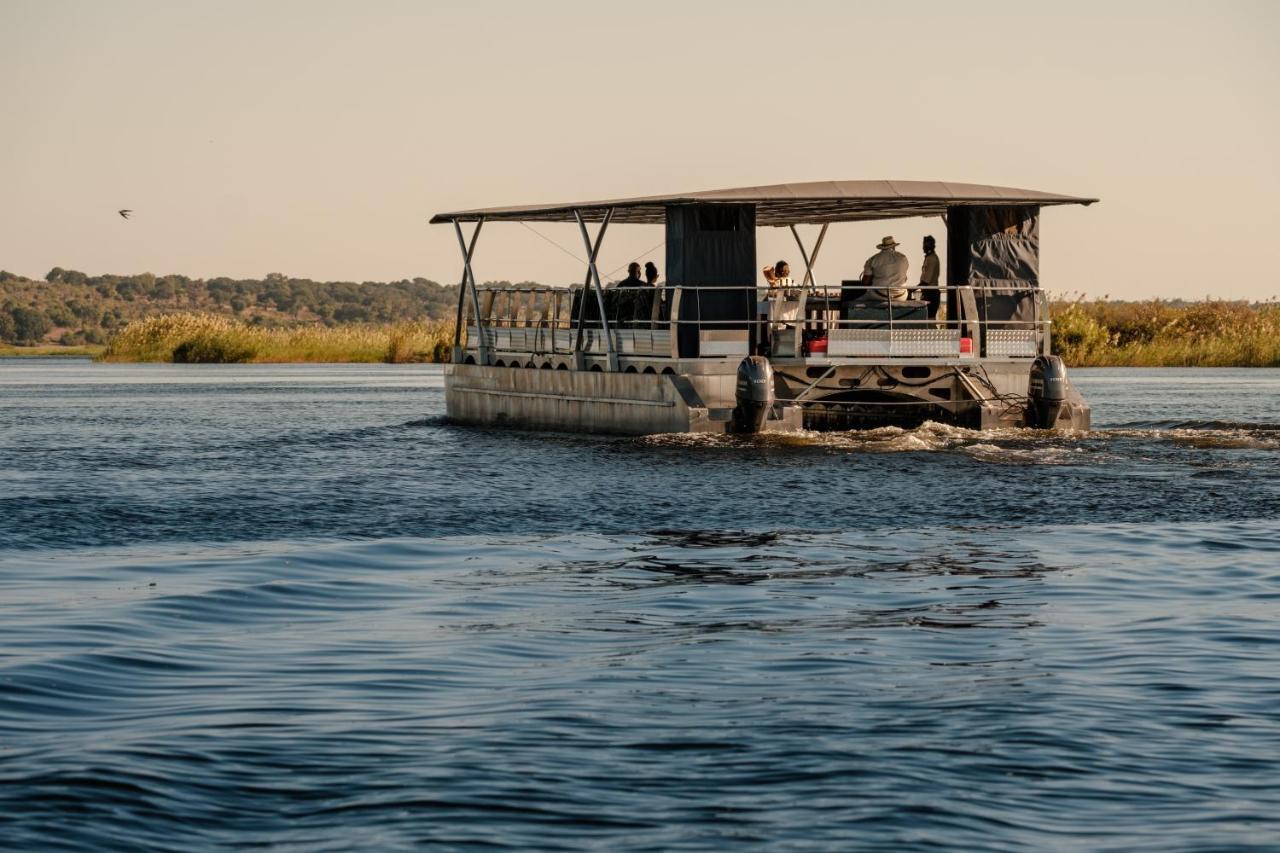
[[809, 261], [593, 277], [468, 285]]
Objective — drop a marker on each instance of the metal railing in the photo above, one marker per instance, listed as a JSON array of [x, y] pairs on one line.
[[988, 321]]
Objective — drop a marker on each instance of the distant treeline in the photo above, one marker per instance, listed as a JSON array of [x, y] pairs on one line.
[[72, 308]]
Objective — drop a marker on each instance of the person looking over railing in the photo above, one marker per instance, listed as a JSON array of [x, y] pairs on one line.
[[885, 273]]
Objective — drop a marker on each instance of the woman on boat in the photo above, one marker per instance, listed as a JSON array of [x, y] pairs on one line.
[[651, 273], [779, 278]]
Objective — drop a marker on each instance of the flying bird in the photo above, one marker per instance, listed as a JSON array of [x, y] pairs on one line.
[[125, 214]]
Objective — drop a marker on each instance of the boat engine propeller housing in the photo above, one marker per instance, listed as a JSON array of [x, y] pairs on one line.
[[753, 394], [1047, 394]]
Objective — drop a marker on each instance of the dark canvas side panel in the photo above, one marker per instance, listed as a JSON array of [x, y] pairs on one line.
[[997, 251], [712, 245]]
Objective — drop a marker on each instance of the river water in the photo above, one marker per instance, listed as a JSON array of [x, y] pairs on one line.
[[290, 606]]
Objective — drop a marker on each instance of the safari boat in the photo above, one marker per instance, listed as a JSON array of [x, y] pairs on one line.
[[710, 350]]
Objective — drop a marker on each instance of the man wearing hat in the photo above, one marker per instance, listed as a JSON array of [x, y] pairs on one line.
[[885, 272]]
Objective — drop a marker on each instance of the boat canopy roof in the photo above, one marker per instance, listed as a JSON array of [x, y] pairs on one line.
[[786, 204]]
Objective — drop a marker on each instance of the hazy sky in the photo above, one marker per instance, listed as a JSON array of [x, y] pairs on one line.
[[316, 138]]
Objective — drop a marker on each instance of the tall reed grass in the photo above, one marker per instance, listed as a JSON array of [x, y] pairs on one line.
[[213, 339], [47, 350], [1085, 334], [1163, 334]]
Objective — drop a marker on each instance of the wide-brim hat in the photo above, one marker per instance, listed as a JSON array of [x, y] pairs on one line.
[[887, 243]]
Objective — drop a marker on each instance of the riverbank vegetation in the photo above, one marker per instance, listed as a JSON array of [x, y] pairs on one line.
[[1085, 334], [71, 308], [88, 351], [211, 339], [1167, 334], [278, 318]]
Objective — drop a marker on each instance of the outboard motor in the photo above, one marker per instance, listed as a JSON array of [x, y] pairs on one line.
[[753, 394], [1048, 392]]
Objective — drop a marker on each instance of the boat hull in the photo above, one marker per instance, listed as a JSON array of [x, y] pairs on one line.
[[595, 401], [700, 398]]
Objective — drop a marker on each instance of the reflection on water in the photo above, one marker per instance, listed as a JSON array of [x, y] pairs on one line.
[[293, 607]]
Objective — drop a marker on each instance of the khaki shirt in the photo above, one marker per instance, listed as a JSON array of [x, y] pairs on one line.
[[931, 270], [888, 271]]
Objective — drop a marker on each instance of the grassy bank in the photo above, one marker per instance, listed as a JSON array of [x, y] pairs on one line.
[[1085, 334], [1164, 334], [211, 339], [91, 351]]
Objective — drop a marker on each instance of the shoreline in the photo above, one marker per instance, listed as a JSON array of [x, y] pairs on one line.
[[52, 351], [1084, 334], [97, 354]]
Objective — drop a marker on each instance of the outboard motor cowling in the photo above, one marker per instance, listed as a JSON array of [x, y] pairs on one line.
[[1047, 394], [753, 394]]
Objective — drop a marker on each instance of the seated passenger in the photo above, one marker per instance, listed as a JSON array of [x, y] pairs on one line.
[[780, 284], [885, 273], [633, 277]]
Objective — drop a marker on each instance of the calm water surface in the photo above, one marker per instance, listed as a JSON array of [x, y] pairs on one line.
[[289, 606]]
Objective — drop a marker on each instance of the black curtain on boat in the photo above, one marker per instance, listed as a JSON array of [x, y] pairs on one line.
[[996, 250]]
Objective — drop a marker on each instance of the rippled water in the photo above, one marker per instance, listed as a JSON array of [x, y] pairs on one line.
[[290, 606]]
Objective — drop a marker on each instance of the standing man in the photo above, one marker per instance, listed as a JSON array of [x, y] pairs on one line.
[[930, 273], [885, 273]]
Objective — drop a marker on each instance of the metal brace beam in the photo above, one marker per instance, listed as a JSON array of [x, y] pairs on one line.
[[468, 285], [809, 260], [593, 276], [814, 384]]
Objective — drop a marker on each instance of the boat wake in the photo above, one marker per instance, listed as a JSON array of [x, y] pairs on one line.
[[999, 446]]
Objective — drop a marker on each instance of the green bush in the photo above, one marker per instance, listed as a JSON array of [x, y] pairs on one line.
[[29, 326], [212, 349], [1077, 336]]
